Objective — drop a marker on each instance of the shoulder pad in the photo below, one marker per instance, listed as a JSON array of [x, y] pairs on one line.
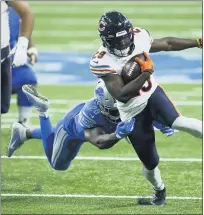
[[89, 114], [101, 64]]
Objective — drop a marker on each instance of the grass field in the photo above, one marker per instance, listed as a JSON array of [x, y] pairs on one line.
[[102, 181], [72, 26]]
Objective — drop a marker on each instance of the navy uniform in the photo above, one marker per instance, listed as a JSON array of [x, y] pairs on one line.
[[149, 105], [5, 60]]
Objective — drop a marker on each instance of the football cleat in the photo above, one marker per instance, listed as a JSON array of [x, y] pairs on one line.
[[18, 136], [159, 197], [41, 103]]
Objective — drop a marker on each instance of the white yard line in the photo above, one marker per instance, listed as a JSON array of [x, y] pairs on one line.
[[76, 101], [139, 22], [128, 10], [131, 3], [94, 34], [95, 196], [101, 158]]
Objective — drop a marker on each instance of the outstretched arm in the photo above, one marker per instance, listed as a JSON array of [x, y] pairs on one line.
[[100, 139], [174, 44]]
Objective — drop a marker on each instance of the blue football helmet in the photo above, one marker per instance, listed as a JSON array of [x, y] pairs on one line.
[[116, 33], [106, 102]]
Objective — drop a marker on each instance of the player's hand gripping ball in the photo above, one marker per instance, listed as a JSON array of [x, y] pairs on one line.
[[135, 66]]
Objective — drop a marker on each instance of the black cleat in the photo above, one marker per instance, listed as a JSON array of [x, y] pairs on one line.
[[159, 197]]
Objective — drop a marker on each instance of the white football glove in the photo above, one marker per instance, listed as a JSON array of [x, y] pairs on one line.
[[20, 52], [33, 55]]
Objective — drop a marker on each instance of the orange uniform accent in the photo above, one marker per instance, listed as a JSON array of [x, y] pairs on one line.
[[145, 65], [104, 70], [171, 101]]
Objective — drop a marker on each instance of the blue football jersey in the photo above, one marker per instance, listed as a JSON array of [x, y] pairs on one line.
[[14, 25], [90, 117], [86, 115]]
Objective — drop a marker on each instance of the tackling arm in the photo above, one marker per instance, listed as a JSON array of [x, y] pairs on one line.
[[100, 139], [174, 44]]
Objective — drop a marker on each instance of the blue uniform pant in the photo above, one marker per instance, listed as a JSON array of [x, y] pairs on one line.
[[59, 148], [20, 76]]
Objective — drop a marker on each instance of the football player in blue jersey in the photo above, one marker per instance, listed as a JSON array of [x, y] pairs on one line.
[[23, 74], [96, 121]]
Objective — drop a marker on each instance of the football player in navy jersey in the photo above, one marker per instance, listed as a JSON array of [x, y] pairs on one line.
[[23, 74], [141, 98]]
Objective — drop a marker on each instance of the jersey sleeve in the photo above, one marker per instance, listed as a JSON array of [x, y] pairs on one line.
[[89, 115], [144, 34], [147, 35], [101, 64]]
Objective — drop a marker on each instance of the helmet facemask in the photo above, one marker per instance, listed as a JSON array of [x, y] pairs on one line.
[[111, 113], [121, 46], [106, 102]]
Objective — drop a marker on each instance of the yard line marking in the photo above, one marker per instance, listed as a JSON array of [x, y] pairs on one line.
[[140, 22], [96, 196], [127, 10], [108, 158], [75, 101], [93, 34], [131, 3]]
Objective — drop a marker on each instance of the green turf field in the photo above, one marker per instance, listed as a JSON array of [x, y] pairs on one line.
[[114, 183], [73, 25]]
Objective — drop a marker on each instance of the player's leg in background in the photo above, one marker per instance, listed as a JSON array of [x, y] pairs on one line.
[[143, 141], [20, 76], [163, 110], [5, 84]]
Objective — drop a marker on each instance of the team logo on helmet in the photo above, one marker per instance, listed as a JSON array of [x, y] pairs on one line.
[[101, 26], [100, 93]]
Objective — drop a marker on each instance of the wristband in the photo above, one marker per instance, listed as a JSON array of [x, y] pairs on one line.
[[23, 41]]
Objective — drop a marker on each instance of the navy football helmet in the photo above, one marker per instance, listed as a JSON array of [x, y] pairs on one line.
[[116, 33]]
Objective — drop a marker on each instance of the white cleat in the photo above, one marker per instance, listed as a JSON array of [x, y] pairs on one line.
[[41, 103], [18, 136]]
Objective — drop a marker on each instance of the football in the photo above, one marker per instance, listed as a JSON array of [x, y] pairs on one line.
[[131, 69]]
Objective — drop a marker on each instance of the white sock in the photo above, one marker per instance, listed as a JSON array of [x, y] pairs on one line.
[[189, 125], [154, 178], [24, 113], [43, 114]]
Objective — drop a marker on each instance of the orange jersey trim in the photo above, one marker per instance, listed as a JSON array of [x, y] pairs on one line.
[[104, 70], [171, 101]]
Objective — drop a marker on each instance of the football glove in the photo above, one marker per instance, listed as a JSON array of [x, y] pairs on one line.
[[147, 65], [200, 43], [32, 53], [164, 129], [168, 131], [20, 52], [124, 128]]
